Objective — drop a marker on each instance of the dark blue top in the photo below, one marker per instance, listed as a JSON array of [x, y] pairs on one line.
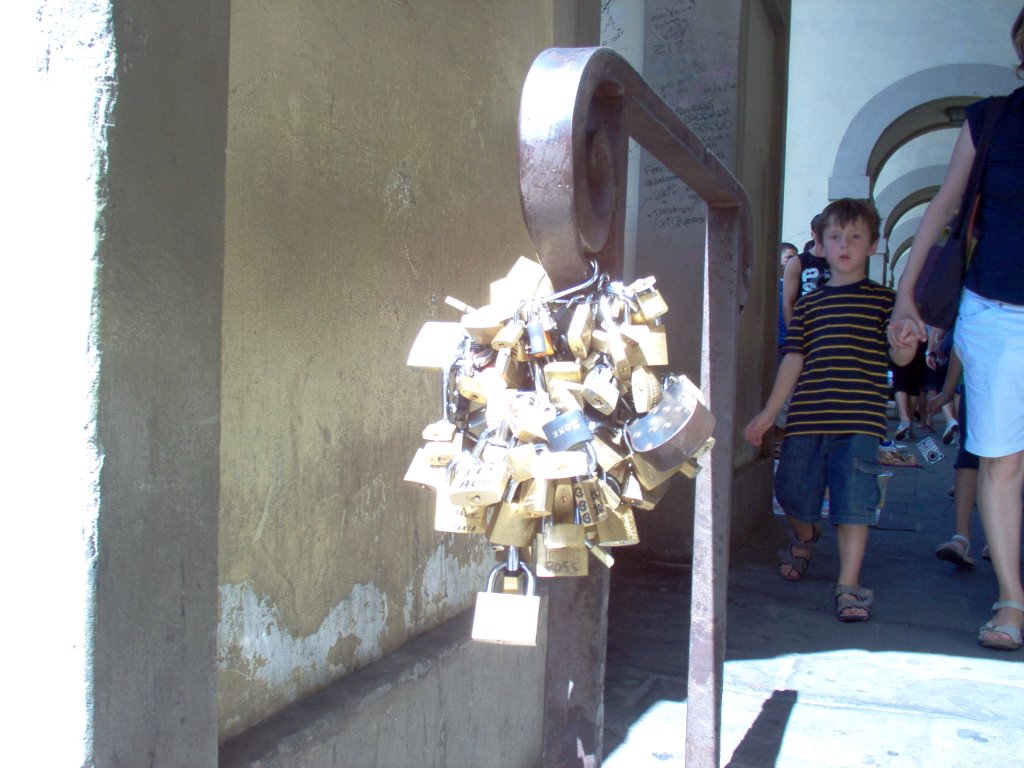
[[997, 268]]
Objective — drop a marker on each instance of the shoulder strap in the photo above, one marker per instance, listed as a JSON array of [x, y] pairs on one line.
[[992, 114]]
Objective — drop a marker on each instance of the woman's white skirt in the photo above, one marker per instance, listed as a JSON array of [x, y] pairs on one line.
[[990, 342]]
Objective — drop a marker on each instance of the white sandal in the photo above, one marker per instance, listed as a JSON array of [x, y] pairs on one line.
[[957, 551], [1012, 632]]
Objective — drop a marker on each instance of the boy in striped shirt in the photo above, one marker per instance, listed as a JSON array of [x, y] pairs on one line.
[[836, 358]]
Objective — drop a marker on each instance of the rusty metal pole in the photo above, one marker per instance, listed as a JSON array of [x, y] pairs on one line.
[[578, 107]]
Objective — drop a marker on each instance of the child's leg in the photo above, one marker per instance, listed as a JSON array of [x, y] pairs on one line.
[[799, 487], [853, 542], [854, 495]]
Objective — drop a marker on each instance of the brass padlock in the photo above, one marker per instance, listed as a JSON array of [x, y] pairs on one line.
[[558, 533], [508, 337], [580, 329], [537, 498], [600, 390], [563, 370], [649, 299], [562, 505], [635, 494], [566, 395], [507, 619], [483, 324], [651, 344], [617, 528], [450, 518], [509, 528], [474, 482], [649, 476], [520, 461], [557, 465], [646, 389], [436, 345], [609, 455], [441, 453], [422, 472], [564, 561]]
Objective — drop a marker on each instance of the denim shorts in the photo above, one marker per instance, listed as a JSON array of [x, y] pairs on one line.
[[845, 464]]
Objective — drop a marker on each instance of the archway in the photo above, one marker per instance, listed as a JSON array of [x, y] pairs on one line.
[[924, 101]]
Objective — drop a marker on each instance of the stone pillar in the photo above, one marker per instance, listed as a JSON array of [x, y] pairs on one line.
[[158, 304]]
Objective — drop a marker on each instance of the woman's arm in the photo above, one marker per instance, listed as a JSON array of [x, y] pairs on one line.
[[906, 322]]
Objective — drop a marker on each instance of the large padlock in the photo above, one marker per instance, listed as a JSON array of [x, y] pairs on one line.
[[674, 430], [564, 561], [507, 619], [567, 431]]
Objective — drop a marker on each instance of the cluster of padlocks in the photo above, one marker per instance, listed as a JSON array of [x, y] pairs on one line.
[[558, 420]]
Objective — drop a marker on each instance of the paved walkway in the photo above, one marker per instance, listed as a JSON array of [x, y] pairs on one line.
[[911, 687]]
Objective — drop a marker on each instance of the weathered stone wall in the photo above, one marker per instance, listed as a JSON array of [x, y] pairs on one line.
[[372, 170]]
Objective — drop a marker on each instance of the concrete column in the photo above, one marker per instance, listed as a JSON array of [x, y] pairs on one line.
[[158, 300]]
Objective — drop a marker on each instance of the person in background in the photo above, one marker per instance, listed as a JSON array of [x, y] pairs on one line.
[[989, 336], [805, 273]]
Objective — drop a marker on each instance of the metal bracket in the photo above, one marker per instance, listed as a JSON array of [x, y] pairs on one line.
[[579, 106]]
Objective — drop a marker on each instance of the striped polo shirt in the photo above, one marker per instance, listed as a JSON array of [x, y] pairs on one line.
[[843, 387]]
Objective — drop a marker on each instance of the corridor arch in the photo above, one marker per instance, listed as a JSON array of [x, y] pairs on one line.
[[910, 107]]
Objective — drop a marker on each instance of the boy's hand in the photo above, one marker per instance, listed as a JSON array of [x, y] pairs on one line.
[[757, 427]]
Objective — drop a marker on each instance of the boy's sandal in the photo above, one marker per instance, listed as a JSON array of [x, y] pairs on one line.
[[957, 551], [1001, 637], [797, 564], [853, 603]]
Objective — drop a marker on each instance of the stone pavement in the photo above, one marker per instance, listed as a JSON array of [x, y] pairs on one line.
[[911, 687]]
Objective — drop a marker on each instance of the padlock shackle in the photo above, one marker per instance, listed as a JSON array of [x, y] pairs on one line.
[[531, 580]]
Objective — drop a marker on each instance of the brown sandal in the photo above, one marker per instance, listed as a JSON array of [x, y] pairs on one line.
[[853, 603]]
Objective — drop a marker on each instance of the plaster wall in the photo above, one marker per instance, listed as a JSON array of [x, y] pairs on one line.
[[371, 171], [882, 42]]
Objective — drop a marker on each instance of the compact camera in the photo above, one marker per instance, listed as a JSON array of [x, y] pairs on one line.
[[929, 450]]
